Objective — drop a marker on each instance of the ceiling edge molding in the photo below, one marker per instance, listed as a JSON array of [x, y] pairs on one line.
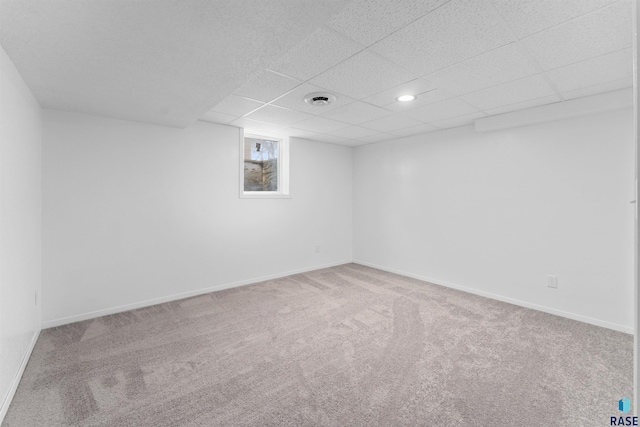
[[603, 102]]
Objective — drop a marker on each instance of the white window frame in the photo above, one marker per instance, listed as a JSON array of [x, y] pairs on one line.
[[283, 167]]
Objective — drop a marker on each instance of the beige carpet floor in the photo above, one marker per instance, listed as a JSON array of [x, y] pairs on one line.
[[343, 346]]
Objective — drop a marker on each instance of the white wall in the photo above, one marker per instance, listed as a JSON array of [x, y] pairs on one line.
[[20, 218], [497, 212], [136, 213]]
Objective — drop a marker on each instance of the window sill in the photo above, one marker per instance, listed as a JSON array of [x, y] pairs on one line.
[[265, 196]]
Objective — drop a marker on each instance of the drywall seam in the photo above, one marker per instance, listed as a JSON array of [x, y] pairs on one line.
[[566, 314], [18, 377], [174, 297]]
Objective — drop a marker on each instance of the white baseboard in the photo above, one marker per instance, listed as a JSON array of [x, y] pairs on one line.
[[17, 378], [573, 316], [146, 303], [154, 301]]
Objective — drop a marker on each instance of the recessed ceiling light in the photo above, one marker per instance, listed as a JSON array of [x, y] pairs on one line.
[[406, 98]]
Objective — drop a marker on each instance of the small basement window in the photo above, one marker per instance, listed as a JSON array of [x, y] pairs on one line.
[[264, 166]]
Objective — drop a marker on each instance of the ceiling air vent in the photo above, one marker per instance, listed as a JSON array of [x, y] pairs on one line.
[[319, 99]]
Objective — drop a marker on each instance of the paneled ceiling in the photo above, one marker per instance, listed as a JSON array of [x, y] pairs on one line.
[[250, 63], [464, 59], [157, 61]]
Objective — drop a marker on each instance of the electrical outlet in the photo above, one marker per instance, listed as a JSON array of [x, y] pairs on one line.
[[318, 248], [552, 281]]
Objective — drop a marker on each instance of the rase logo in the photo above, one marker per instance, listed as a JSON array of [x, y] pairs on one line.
[[624, 406]]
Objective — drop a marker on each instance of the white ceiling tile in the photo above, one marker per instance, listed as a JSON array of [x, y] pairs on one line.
[[320, 124], [323, 49], [527, 17], [584, 46], [603, 31], [414, 87], [367, 21], [278, 115], [392, 123], [353, 132], [267, 86], [523, 105], [295, 100], [594, 71], [423, 99], [415, 130], [332, 139], [452, 33], [357, 112], [592, 90], [215, 117], [441, 110], [378, 137], [236, 106], [531, 87], [299, 133], [255, 126], [497, 66], [363, 75], [454, 122], [161, 62]]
